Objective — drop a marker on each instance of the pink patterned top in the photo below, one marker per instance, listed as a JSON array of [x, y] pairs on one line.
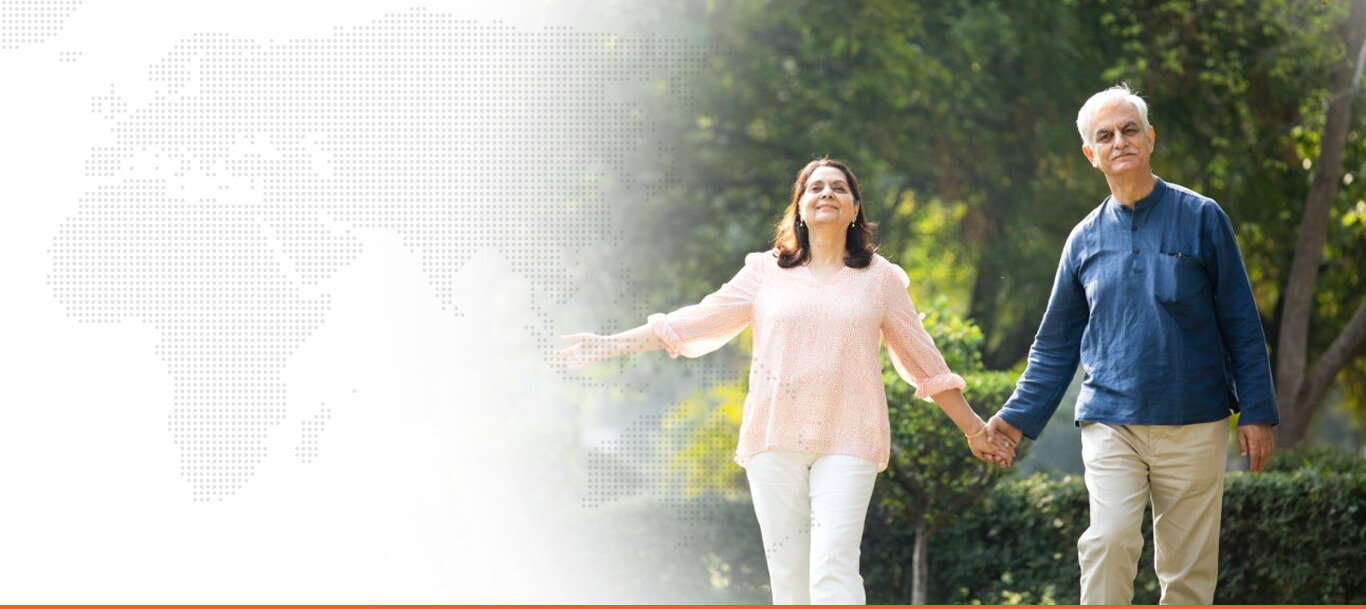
[[815, 381]]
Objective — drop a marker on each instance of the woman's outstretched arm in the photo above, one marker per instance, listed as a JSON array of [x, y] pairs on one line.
[[589, 348], [691, 331]]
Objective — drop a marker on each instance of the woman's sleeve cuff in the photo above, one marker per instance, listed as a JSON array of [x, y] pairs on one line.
[[659, 322], [934, 386]]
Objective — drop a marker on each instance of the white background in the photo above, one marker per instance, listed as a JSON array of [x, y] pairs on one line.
[[418, 493]]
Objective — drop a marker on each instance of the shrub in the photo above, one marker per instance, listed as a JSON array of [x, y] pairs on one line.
[[1286, 538], [1323, 459]]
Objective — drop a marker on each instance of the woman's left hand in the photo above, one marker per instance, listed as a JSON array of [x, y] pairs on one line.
[[993, 447]]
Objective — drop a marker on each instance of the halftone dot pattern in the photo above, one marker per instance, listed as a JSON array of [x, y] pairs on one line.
[[25, 22], [656, 458], [231, 194], [311, 431], [609, 476], [664, 457]]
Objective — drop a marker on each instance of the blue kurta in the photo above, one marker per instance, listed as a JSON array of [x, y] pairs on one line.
[[1156, 304]]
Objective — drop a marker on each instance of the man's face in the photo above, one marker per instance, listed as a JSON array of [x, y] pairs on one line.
[[1120, 145]]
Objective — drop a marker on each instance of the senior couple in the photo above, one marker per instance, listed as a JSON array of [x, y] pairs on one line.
[[1150, 297]]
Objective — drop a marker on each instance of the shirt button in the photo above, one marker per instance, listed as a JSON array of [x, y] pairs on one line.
[[1135, 250]]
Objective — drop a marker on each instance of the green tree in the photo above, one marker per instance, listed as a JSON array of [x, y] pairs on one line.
[[932, 477], [1302, 389], [1253, 104], [964, 110]]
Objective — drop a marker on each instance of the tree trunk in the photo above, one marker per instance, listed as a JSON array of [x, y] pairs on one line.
[[1293, 346], [920, 568], [986, 289], [1343, 349], [1013, 347]]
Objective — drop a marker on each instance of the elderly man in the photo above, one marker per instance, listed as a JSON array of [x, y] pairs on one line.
[[1152, 297]]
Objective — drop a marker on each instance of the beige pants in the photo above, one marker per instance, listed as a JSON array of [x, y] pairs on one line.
[[1180, 468], [811, 510]]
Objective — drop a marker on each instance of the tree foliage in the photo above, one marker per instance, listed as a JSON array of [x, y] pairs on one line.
[[959, 119], [1247, 93], [932, 477]]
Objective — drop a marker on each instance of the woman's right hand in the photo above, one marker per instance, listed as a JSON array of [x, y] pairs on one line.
[[587, 349]]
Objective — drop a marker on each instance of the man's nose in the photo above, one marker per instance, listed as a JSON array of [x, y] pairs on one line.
[[1118, 142]]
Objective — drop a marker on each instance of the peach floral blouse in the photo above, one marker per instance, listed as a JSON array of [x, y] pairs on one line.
[[815, 381]]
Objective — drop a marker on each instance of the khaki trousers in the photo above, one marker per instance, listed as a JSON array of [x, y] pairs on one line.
[[1180, 468], [811, 510]]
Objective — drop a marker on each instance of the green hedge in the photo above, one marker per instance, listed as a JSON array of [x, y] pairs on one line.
[[1323, 459], [1293, 536], [1287, 538], [1017, 547]]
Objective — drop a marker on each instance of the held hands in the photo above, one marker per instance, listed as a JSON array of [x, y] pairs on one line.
[[996, 442], [991, 445], [986, 443], [999, 427]]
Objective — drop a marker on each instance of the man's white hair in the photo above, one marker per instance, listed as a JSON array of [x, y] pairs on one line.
[[1120, 93]]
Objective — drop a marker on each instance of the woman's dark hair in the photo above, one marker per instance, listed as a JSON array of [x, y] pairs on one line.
[[794, 246]]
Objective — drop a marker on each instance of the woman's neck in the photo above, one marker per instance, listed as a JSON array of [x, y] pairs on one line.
[[827, 247]]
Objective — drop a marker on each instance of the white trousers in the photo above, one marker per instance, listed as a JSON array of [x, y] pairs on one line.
[[811, 510], [1180, 468]]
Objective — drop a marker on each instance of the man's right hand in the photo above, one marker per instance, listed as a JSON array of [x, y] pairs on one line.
[[999, 427]]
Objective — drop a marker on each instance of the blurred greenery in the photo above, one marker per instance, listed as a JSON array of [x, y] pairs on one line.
[[701, 458], [959, 118], [1287, 537], [932, 478], [1323, 459]]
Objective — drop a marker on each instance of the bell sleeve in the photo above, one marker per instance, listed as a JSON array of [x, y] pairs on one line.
[[696, 330], [911, 348]]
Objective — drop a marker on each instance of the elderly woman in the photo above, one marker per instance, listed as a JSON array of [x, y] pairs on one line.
[[815, 431]]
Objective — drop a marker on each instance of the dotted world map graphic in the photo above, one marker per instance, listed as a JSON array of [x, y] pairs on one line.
[[242, 180]]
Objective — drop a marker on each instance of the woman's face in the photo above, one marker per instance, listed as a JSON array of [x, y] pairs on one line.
[[827, 199]]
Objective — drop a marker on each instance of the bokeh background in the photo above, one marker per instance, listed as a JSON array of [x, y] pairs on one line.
[[282, 282]]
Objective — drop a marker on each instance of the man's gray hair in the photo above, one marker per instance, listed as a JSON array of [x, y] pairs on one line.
[[1120, 93]]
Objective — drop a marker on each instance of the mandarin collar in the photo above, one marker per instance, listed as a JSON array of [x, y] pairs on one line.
[[1159, 189]]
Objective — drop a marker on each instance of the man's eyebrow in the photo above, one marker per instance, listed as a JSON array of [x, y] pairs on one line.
[[1124, 126]]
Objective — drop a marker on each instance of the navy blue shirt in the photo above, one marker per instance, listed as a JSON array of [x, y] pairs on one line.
[[1156, 304]]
